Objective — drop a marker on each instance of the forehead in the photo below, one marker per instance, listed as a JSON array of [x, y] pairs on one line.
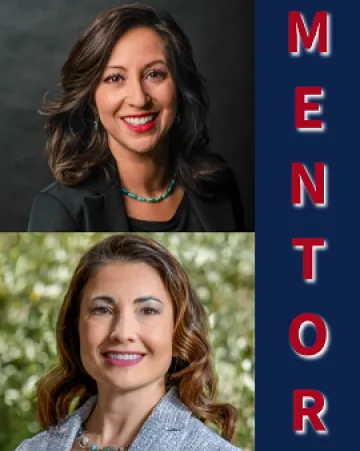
[[126, 281], [140, 44]]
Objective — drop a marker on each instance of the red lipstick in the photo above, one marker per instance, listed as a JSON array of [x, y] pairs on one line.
[[141, 128], [124, 363], [139, 115]]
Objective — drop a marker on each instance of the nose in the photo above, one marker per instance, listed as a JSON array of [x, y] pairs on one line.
[[137, 97], [124, 328]]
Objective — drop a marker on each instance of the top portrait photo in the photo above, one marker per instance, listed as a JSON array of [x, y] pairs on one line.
[[128, 116]]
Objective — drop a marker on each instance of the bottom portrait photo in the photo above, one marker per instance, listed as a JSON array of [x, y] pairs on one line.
[[127, 342]]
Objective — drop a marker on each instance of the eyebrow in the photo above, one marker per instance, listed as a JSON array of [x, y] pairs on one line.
[[145, 66], [111, 300]]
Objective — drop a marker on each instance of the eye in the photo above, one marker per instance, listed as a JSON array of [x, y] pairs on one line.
[[149, 311], [100, 310], [157, 75], [115, 78]]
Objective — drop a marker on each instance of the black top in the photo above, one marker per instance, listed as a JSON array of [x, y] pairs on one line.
[[184, 220], [97, 205]]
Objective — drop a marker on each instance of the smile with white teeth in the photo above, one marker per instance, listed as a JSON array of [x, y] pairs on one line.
[[124, 356], [140, 120]]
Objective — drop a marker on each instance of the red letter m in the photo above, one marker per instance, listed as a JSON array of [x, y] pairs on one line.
[[319, 33]]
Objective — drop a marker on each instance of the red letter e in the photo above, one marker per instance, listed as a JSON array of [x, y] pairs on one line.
[[303, 108]]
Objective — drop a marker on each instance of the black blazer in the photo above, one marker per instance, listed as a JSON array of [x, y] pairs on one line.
[[97, 205]]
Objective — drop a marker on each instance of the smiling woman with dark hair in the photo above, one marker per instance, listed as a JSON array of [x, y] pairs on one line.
[[128, 140], [134, 359]]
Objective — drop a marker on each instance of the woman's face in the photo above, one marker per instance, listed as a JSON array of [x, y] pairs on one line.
[[136, 97], [126, 327]]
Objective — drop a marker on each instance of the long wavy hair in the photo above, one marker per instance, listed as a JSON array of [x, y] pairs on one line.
[[68, 385], [75, 148]]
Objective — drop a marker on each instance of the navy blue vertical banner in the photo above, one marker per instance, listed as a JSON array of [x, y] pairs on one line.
[[321, 315]]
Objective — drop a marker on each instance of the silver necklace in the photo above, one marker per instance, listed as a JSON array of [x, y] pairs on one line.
[[84, 443]]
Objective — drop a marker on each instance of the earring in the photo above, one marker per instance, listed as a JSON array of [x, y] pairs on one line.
[[96, 125]]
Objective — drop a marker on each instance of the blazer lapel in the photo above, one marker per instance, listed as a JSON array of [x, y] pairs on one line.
[[164, 428], [215, 213], [104, 208], [62, 436], [105, 212], [154, 436]]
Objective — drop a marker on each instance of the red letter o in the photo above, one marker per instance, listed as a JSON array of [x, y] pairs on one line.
[[322, 335]]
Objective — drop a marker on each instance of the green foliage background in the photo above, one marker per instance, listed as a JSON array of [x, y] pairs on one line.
[[35, 269]]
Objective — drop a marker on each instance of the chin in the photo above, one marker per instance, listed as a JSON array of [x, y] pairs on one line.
[[129, 386], [142, 144], [143, 149]]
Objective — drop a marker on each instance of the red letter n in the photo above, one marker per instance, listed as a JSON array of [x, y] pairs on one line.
[[317, 190], [319, 33], [312, 414]]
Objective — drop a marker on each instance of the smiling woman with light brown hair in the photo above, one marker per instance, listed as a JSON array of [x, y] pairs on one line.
[[134, 359], [128, 140]]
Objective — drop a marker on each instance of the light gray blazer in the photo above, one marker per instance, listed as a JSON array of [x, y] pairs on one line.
[[170, 427]]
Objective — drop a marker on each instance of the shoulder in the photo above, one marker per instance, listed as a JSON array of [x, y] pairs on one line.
[[54, 210], [217, 178], [229, 189], [68, 193], [201, 438], [96, 183], [67, 196], [221, 187], [181, 429], [59, 208], [62, 435]]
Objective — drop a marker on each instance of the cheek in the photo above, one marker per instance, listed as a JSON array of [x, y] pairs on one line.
[[165, 95], [160, 339], [106, 100], [171, 102], [91, 337]]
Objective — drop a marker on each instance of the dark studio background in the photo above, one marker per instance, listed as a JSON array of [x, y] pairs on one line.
[[36, 38]]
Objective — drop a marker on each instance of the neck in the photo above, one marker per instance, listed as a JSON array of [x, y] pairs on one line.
[[118, 417], [145, 174]]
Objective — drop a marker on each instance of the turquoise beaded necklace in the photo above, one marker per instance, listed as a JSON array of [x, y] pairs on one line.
[[84, 443], [150, 199]]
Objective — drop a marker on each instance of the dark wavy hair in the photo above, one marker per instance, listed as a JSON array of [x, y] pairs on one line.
[[75, 149], [191, 370]]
